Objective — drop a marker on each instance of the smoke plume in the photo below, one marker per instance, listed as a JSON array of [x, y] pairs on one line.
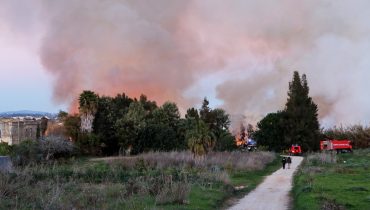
[[163, 48]]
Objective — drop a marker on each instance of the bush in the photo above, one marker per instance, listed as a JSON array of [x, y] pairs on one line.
[[173, 192], [226, 142], [51, 148], [27, 152], [322, 158], [10, 183], [56, 147], [358, 134], [90, 144], [5, 149]]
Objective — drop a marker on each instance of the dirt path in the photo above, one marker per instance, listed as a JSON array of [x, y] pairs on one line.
[[272, 193]]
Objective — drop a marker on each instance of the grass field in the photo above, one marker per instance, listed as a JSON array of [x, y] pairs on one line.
[[330, 181], [149, 181]]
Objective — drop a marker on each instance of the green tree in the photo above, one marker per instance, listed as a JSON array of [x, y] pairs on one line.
[[129, 126], [219, 127], [62, 115], [38, 132], [162, 131], [302, 126], [225, 142], [88, 103], [221, 119], [217, 120], [205, 113], [270, 132], [109, 111], [296, 124], [72, 125], [200, 139], [103, 126], [148, 105], [43, 126], [192, 113]]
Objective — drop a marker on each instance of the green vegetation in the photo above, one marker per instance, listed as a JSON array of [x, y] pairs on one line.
[[170, 180], [5, 149], [296, 124], [358, 134], [121, 125], [330, 181], [41, 151]]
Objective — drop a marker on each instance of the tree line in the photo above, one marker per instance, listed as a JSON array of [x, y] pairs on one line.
[[121, 125], [124, 125]]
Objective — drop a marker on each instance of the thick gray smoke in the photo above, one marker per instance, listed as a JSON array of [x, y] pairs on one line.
[[247, 49]]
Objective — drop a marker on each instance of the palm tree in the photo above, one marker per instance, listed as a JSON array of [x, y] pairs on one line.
[[200, 139], [88, 102]]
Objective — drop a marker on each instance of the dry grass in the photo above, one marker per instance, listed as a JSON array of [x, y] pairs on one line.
[[322, 158], [173, 192], [162, 177], [225, 160]]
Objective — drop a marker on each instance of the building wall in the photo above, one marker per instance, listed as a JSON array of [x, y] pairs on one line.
[[5, 132], [13, 131]]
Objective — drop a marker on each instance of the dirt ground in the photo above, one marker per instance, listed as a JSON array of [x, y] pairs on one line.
[[273, 192]]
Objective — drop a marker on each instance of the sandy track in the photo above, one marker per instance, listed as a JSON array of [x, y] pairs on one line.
[[272, 193]]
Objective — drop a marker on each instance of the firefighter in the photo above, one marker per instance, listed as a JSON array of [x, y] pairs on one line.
[[283, 161]]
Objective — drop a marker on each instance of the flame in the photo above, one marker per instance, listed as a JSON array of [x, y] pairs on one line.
[[239, 141]]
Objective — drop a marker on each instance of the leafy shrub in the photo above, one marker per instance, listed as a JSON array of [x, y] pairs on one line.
[[5, 149], [90, 144], [27, 152], [56, 147], [226, 142], [51, 148]]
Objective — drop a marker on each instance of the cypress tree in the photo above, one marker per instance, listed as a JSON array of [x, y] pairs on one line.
[[301, 115]]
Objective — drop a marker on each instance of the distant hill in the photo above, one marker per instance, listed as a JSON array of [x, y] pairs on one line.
[[27, 113]]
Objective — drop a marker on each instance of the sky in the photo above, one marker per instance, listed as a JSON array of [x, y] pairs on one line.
[[240, 54], [24, 83]]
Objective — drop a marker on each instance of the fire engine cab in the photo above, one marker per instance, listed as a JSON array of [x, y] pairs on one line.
[[295, 149], [344, 145]]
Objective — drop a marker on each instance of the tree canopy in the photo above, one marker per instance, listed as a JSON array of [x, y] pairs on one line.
[[296, 124], [122, 125]]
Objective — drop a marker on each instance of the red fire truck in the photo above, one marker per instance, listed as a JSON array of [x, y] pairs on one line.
[[295, 149], [344, 145]]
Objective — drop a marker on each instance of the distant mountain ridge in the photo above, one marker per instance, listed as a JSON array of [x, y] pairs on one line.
[[25, 113]]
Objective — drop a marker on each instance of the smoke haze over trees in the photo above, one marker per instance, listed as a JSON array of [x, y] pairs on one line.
[[240, 52]]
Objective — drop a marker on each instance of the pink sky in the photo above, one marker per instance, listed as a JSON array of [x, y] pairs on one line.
[[239, 53]]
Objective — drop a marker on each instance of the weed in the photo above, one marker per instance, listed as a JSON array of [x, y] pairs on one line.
[[173, 192], [328, 204]]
